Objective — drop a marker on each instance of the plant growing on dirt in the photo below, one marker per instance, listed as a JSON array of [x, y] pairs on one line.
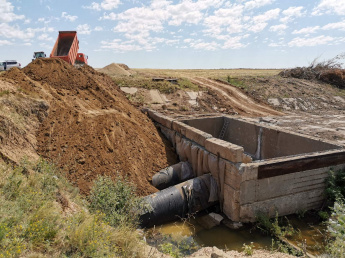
[[336, 228], [276, 226], [117, 200], [335, 186], [41, 214], [248, 249], [335, 192], [279, 228]]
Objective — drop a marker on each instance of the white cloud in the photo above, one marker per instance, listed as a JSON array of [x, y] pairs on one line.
[[189, 12], [257, 27], [280, 28], [259, 22], [310, 42], [68, 17], [9, 32], [5, 42], [46, 37], [205, 45], [84, 29], [335, 26], [104, 5], [257, 3], [118, 46], [111, 16], [269, 15], [7, 14], [307, 30], [48, 20], [330, 7], [98, 28], [291, 13], [233, 43], [227, 20]]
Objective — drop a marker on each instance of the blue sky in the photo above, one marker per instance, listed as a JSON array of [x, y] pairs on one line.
[[178, 34]]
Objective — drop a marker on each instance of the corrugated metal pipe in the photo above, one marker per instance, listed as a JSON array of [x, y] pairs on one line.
[[173, 175], [178, 201]]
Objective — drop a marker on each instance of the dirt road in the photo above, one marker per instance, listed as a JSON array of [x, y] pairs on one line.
[[240, 102]]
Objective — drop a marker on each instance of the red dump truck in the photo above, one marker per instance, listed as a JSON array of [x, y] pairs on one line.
[[66, 48]]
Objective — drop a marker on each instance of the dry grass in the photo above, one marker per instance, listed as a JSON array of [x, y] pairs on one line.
[[208, 73]]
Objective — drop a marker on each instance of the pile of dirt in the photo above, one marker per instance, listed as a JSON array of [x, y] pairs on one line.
[[124, 66], [91, 128], [116, 70], [20, 117]]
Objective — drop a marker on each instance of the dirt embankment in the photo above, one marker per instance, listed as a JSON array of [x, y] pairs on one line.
[[116, 70], [91, 128]]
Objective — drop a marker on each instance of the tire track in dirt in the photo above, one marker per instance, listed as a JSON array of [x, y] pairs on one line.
[[240, 102]]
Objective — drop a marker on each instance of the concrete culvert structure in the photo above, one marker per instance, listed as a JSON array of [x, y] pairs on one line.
[[257, 168], [178, 201]]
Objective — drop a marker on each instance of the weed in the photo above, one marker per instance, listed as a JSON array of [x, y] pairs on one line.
[[276, 227], [187, 84], [335, 189], [177, 247], [117, 200], [323, 215], [4, 93], [33, 223], [170, 249], [248, 249], [336, 228], [335, 192]]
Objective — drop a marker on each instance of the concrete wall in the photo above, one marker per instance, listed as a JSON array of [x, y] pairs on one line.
[[257, 141], [247, 187], [286, 194]]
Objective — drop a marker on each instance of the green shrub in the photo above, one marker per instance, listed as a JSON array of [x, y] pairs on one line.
[[335, 189], [34, 224], [336, 228], [117, 200], [277, 227], [248, 249]]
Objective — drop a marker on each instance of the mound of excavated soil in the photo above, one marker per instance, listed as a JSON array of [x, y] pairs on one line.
[[116, 70], [91, 128]]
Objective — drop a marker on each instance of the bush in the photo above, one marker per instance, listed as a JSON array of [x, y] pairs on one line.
[[33, 223], [336, 228], [329, 71], [335, 186], [117, 200]]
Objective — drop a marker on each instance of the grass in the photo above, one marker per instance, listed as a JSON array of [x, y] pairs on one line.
[[146, 82], [34, 223], [4, 93], [208, 73], [335, 192]]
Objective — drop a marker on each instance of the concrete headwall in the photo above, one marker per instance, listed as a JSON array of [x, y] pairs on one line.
[[284, 185]]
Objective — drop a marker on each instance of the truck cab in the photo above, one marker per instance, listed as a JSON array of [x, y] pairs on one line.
[[81, 58], [39, 54]]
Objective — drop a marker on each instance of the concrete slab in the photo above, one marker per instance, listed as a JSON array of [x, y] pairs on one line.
[[210, 220], [156, 97], [129, 90]]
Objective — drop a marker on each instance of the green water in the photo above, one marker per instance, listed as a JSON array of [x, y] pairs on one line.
[[308, 229], [219, 236]]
